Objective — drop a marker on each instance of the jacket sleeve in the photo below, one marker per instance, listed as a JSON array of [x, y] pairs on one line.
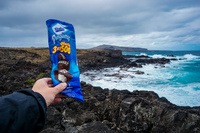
[[23, 111]]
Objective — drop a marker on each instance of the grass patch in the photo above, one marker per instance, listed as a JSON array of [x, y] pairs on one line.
[[30, 81], [41, 75]]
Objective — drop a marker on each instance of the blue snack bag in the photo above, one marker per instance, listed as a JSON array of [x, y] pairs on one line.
[[62, 48]]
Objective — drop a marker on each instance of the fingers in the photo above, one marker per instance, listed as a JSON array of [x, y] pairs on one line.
[[57, 100], [60, 96], [60, 87], [57, 89], [47, 80], [50, 81], [50, 85]]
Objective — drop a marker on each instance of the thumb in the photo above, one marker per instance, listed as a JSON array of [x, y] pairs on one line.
[[60, 87]]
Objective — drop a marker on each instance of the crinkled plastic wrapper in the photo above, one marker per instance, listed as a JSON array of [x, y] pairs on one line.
[[62, 47]]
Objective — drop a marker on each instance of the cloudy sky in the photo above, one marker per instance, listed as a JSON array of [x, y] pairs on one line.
[[151, 24]]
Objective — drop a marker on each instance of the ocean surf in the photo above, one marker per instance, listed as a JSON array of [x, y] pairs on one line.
[[178, 81]]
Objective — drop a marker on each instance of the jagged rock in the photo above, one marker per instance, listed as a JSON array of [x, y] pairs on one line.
[[122, 112], [153, 61], [103, 110], [136, 56], [139, 72], [93, 127], [99, 59], [134, 64]]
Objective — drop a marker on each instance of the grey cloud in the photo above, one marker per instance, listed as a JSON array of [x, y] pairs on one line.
[[104, 21]]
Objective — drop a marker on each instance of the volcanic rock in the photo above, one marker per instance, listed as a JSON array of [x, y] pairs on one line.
[[103, 110], [114, 111]]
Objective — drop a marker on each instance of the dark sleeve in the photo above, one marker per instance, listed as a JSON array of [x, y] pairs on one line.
[[23, 111]]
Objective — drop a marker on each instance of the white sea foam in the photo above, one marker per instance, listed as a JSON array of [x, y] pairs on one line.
[[126, 78], [159, 79], [183, 95], [190, 57], [157, 56], [143, 54], [177, 94]]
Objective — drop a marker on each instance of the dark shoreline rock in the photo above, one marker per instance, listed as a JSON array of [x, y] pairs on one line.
[[110, 111], [99, 59], [114, 111]]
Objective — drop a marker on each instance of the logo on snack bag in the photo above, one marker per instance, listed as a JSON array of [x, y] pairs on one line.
[[64, 47], [58, 29], [59, 38]]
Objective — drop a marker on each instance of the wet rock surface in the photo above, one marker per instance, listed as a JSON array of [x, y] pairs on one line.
[[103, 110]]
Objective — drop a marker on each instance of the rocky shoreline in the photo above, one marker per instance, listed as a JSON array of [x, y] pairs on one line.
[[103, 110]]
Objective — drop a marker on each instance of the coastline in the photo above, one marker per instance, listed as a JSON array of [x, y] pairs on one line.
[[103, 109]]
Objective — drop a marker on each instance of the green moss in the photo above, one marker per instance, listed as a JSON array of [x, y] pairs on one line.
[[40, 75], [30, 81]]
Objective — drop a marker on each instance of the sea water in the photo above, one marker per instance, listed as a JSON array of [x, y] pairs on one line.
[[178, 81]]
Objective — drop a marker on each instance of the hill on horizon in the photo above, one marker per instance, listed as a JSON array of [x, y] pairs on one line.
[[119, 48]]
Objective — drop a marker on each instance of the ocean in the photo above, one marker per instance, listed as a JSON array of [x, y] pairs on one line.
[[178, 81]]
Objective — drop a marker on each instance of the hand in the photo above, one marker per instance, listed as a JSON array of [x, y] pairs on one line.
[[50, 93]]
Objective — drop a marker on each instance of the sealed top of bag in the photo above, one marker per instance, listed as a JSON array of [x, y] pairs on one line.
[[62, 48], [60, 31]]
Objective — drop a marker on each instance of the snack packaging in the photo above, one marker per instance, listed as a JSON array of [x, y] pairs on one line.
[[62, 48]]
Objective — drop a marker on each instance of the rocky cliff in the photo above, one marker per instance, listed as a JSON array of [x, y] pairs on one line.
[[103, 111], [114, 111], [98, 59]]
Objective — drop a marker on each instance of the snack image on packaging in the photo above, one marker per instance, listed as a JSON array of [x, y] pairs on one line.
[[62, 48]]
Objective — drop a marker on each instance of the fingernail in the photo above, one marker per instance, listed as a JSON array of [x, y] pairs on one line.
[[64, 85]]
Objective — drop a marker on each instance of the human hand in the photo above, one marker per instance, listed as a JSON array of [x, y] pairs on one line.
[[50, 93]]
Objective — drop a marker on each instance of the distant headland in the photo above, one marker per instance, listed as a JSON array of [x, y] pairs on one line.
[[112, 47]]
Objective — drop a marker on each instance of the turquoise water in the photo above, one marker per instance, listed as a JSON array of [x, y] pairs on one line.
[[178, 81], [185, 71]]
